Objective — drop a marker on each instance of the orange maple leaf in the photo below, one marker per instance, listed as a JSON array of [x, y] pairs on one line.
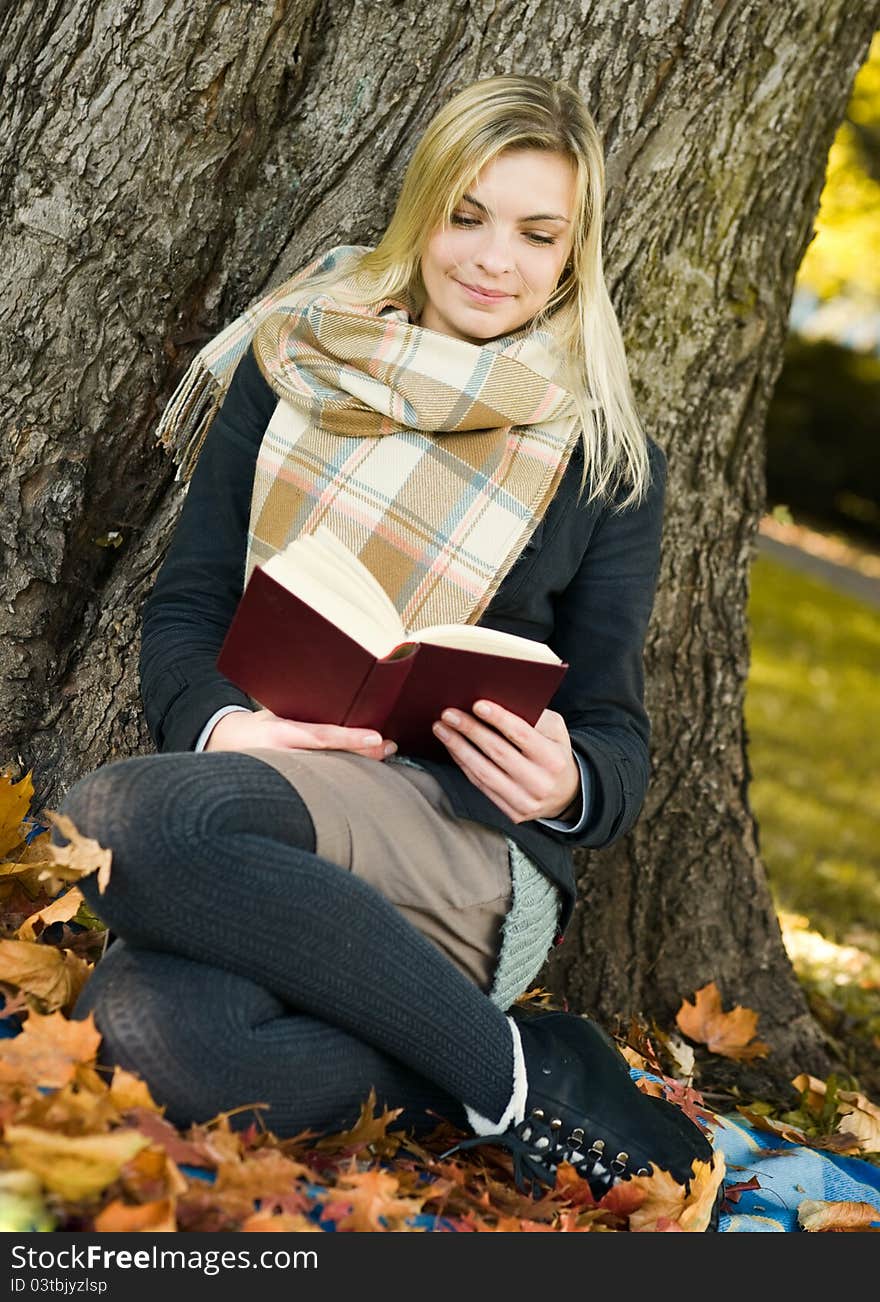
[[369, 1131], [363, 1197], [48, 1049], [667, 1200], [728, 1034]]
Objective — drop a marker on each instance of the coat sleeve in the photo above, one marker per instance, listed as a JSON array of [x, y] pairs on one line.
[[600, 624], [186, 616]]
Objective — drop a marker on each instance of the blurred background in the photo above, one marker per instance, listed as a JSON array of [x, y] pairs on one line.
[[812, 700]]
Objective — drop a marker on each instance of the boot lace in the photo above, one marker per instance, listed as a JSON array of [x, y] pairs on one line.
[[538, 1147]]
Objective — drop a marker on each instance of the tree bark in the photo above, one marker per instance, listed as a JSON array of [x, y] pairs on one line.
[[162, 163]]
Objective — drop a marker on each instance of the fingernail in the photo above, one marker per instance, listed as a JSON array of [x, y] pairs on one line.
[[390, 747], [372, 739]]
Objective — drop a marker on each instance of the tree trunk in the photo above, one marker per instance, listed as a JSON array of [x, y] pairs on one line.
[[161, 164]]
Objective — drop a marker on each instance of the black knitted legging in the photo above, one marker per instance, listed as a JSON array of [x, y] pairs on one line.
[[251, 970]]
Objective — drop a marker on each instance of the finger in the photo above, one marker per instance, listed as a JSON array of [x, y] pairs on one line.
[[512, 813], [532, 771], [309, 740], [526, 799], [330, 736], [512, 726]]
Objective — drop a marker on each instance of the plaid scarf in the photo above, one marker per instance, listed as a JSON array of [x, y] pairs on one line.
[[433, 459]]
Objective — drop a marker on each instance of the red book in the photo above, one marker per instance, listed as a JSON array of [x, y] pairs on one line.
[[316, 638]]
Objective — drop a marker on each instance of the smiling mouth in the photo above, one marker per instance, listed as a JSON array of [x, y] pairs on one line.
[[483, 295]]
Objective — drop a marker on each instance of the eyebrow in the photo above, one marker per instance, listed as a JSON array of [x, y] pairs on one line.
[[536, 217]]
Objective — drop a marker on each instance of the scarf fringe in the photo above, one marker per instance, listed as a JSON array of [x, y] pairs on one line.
[[188, 416]]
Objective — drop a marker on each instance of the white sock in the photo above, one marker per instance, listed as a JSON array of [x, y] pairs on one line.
[[516, 1108]]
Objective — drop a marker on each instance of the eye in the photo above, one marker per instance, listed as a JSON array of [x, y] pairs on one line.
[[541, 239], [459, 219]]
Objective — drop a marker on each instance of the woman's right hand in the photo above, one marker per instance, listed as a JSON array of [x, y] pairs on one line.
[[247, 728]]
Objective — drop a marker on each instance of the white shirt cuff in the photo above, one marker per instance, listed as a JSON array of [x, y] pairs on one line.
[[562, 825], [215, 718]]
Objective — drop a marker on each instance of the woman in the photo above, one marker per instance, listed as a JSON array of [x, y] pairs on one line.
[[302, 914]]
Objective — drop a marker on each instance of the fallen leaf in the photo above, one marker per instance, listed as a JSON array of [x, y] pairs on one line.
[[48, 1049], [263, 1173], [160, 1131], [728, 1034], [152, 1175], [666, 1199], [124, 1218], [283, 1223], [813, 1091], [15, 801], [682, 1056], [56, 976], [75, 1167], [653, 1087], [369, 1131], [689, 1100], [129, 1092], [860, 1117], [781, 1128], [634, 1058], [60, 910], [816, 1216], [733, 1192], [363, 1197], [80, 857]]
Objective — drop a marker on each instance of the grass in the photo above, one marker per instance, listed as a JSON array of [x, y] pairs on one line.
[[814, 750]]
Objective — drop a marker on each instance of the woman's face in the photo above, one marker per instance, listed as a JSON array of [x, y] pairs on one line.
[[510, 234]]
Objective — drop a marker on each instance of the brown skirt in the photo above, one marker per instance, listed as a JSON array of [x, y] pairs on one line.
[[393, 825]]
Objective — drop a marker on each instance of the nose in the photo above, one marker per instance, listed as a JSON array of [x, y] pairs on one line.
[[494, 255]]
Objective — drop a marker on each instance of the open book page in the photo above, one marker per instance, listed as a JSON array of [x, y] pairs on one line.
[[475, 637], [320, 570], [325, 574]]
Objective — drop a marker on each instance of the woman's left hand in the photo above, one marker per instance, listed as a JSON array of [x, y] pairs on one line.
[[528, 772]]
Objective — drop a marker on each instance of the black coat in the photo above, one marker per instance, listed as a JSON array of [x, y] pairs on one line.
[[584, 584]]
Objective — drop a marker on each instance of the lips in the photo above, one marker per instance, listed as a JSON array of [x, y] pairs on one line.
[[483, 295]]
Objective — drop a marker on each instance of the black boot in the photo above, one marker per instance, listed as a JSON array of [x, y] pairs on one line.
[[579, 1104]]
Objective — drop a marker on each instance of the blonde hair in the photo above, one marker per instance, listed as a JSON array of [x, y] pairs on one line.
[[507, 113]]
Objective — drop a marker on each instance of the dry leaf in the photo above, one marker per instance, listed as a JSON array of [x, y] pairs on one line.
[[859, 1117], [283, 1223], [666, 1199], [48, 1049], [129, 1091], [813, 1089], [60, 910], [123, 1218], [81, 857], [261, 1174], [75, 1167], [816, 1216], [728, 1034], [15, 801], [53, 975], [634, 1058], [369, 1131], [782, 1128], [362, 1197]]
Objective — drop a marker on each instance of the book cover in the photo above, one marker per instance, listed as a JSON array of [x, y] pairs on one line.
[[292, 660]]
